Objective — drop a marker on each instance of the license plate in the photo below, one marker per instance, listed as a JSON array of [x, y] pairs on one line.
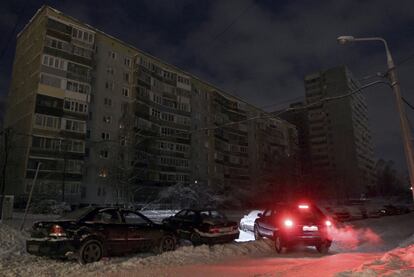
[[310, 228], [33, 248]]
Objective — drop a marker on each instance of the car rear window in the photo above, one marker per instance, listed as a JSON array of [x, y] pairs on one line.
[[212, 214], [311, 213]]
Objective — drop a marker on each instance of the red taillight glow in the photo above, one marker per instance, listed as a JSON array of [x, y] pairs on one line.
[[288, 223], [328, 223], [57, 230], [214, 230], [303, 207]]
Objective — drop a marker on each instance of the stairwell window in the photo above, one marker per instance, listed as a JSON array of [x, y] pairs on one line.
[[105, 136]]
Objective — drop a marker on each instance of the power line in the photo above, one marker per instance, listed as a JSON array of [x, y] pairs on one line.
[[407, 103], [233, 21]]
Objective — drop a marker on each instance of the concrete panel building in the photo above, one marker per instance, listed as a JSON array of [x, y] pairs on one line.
[[340, 142], [112, 124]]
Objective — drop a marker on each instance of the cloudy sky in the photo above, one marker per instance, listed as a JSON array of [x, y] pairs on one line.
[[259, 50]]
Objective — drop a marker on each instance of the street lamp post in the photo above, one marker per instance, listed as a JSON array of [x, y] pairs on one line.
[[392, 76]]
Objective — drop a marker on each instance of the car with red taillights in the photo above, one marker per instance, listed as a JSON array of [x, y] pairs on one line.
[[203, 226], [90, 233], [292, 224]]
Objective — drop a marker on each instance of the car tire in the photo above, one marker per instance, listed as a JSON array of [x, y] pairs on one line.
[[279, 247], [91, 251], [167, 243], [195, 238], [257, 235], [323, 247]]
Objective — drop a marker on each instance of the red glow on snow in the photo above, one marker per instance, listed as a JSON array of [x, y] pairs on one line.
[[288, 223]]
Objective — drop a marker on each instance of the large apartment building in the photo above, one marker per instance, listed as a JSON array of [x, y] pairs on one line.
[[109, 123], [340, 143]]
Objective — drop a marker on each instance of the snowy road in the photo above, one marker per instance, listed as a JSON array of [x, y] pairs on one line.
[[365, 242]]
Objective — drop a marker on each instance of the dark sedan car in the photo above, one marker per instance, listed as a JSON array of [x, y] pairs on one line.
[[203, 226], [91, 233], [291, 224]]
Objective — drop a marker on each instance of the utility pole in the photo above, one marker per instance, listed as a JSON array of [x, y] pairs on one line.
[[4, 168], [392, 77], [30, 196], [64, 145]]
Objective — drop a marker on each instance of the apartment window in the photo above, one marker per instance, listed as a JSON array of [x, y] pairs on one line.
[[155, 113], [105, 136], [54, 43], [108, 102], [123, 141], [78, 87], [75, 126], [46, 143], [157, 99], [112, 55], [74, 166], [75, 106], [110, 70], [104, 154], [183, 107], [103, 172], [46, 121], [126, 77], [127, 62], [183, 120], [50, 80], [54, 62], [167, 117], [109, 85], [77, 146], [82, 35], [82, 52], [107, 119], [183, 80], [125, 92]]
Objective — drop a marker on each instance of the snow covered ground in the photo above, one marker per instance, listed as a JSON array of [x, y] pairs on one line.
[[359, 251]]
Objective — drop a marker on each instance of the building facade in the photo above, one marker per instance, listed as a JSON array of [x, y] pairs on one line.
[[340, 143], [109, 123]]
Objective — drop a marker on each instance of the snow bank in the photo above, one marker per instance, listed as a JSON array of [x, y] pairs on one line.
[[203, 254], [398, 262]]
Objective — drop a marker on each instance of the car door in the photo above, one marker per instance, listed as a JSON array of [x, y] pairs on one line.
[[142, 235], [266, 223], [177, 221], [189, 222], [107, 224]]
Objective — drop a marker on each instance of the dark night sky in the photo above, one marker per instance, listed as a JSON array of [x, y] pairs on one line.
[[259, 50]]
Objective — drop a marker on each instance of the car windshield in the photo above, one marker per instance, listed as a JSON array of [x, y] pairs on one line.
[[77, 214]]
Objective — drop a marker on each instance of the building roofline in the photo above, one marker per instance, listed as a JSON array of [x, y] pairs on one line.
[[45, 7]]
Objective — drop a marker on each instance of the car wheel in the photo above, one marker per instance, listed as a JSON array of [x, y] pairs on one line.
[[323, 247], [167, 243], [91, 251], [257, 235], [279, 247], [195, 238]]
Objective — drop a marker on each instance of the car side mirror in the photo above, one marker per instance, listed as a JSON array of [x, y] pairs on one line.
[[259, 215]]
